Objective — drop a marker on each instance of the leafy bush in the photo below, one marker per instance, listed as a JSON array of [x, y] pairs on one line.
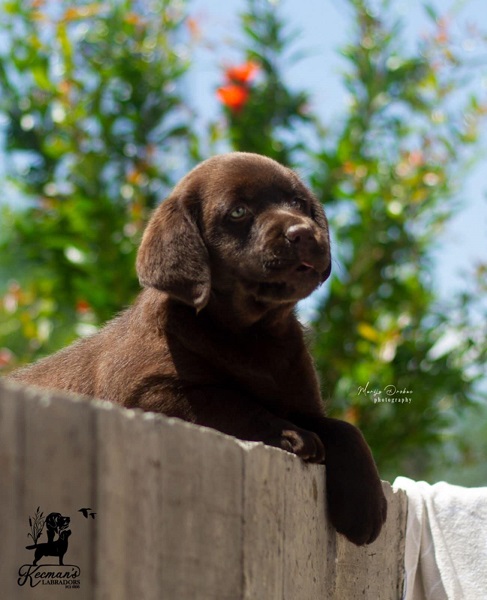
[[98, 130]]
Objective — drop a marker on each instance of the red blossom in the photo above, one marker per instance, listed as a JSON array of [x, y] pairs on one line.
[[242, 73], [6, 357], [233, 96], [82, 307], [442, 34], [416, 158], [194, 28]]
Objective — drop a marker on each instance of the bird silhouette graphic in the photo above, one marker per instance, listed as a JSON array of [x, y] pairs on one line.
[[85, 512]]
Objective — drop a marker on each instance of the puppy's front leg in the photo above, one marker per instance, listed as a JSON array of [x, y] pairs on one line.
[[231, 412], [237, 414], [356, 503]]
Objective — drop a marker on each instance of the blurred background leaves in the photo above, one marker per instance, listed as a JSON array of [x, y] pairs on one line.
[[94, 107]]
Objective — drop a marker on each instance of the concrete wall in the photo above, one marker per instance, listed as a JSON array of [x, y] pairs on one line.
[[182, 512]]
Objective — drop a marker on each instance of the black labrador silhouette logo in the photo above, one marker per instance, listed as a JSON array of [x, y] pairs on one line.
[[44, 569]]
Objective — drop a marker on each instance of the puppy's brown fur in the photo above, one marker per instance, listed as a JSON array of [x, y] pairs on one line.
[[213, 338]]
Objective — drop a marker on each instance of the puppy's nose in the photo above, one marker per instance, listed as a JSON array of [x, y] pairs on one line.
[[297, 234]]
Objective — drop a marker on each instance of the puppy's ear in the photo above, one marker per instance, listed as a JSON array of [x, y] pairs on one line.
[[172, 256], [318, 213], [319, 217]]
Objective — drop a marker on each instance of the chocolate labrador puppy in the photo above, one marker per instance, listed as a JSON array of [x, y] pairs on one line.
[[213, 338]]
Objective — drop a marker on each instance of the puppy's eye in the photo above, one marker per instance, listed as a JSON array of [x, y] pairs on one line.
[[239, 213], [299, 203]]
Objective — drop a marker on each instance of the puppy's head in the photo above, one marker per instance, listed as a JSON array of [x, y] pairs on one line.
[[240, 220]]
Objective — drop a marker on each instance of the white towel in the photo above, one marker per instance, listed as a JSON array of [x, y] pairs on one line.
[[446, 541]]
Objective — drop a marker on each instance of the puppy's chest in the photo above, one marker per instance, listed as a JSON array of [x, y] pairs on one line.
[[262, 367], [259, 361], [265, 366]]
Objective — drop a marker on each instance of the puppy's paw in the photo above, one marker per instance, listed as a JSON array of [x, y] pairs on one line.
[[305, 444], [357, 511], [356, 502]]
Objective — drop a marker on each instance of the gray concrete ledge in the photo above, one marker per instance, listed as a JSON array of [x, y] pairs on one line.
[[182, 512]]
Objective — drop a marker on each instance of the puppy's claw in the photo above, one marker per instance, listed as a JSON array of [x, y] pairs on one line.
[[305, 444]]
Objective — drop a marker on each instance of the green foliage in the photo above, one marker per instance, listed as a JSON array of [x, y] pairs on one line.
[[94, 123], [97, 131]]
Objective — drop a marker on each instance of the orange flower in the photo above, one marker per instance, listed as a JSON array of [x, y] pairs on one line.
[[194, 28], [416, 158], [442, 36], [352, 415], [242, 73], [233, 96], [82, 307], [82, 12], [134, 176], [349, 167], [132, 18], [6, 357], [235, 93]]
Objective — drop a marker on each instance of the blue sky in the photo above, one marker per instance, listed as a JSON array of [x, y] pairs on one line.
[[325, 27]]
